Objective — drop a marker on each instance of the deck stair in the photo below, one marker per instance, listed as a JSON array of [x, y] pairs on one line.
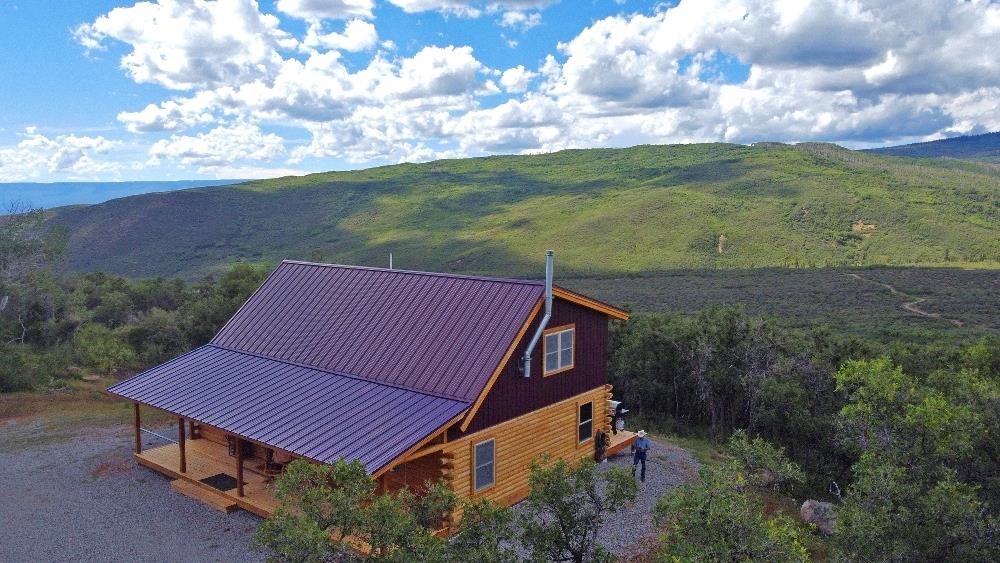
[[216, 500]]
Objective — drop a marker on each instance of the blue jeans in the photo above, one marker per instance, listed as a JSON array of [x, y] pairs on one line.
[[637, 458]]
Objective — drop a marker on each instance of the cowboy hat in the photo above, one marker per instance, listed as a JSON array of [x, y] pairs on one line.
[[641, 434]]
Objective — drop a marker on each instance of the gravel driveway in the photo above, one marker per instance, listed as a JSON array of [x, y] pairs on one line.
[[86, 500]]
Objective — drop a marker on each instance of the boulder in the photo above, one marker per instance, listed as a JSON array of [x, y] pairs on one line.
[[821, 514]]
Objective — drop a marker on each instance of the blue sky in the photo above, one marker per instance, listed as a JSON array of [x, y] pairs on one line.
[[178, 89]]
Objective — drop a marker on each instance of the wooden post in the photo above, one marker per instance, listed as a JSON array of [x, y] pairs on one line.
[[138, 432], [180, 443], [239, 467]]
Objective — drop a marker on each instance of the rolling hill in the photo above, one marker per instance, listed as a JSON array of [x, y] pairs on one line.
[[56, 194], [984, 148], [640, 209]]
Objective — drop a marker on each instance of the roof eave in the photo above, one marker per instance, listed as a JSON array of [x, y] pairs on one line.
[[402, 457], [600, 306]]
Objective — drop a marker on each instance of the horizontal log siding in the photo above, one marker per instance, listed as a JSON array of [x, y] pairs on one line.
[[512, 395], [217, 435], [551, 430]]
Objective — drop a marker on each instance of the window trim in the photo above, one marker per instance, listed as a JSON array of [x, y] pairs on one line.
[[475, 466], [579, 422], [571, 327]]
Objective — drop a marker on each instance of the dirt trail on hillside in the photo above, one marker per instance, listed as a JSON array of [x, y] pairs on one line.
[[910, 306]]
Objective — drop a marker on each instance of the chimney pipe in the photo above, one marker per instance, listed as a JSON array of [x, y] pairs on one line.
[[526, 359]]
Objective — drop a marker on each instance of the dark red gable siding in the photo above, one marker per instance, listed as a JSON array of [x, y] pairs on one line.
[[513, 395]]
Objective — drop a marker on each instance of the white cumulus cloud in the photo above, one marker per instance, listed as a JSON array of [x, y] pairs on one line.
[[520, 20], [69, 156], [222, 147], [825, 69], [338, 87], [517, 79], [326, 9], [358, 35], [470, 8], [187, 44]]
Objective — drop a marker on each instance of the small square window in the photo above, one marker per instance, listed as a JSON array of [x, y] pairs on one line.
[[559, 344], [484, 474], [586, 425]]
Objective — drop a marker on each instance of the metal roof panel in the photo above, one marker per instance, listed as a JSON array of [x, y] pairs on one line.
[[440, 334], [318, 414]]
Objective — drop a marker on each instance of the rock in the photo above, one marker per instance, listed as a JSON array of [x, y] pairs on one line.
[[91, 378], [821, 514]]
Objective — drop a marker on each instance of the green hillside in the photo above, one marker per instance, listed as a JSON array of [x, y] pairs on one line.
[[646, 208]]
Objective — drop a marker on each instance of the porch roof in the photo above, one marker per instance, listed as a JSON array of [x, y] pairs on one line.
[[317, 414]]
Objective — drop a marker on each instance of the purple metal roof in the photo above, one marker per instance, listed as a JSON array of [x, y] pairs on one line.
[[435, 333], [314, 413]]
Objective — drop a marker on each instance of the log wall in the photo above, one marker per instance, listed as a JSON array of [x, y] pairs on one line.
[[552, 430]]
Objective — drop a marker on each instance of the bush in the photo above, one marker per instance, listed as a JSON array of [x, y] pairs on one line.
[[98, 347], [330, 508], [719, 518], [158, 337], [14, 375], [916, 441], [567, 506]]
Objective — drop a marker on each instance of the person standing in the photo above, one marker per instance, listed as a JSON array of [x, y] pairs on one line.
[[639, 449]]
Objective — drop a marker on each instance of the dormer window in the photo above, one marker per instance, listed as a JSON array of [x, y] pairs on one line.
[[559, 343]]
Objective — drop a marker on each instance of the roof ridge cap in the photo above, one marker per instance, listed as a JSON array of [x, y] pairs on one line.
[[417, 272], [337, 373]]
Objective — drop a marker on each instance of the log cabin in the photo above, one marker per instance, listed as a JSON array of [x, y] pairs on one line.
[[420, 376]]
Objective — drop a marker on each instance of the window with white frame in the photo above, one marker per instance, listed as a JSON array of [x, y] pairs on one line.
[[484, 463], [559, 344], [586, 421]]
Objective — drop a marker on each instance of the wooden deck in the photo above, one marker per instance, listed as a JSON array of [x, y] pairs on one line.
[[205, 459], [619, 442]]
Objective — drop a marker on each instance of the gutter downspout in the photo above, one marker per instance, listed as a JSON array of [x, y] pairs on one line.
[[526, 358]]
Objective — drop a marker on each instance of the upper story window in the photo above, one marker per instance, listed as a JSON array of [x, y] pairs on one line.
[[559, 344]]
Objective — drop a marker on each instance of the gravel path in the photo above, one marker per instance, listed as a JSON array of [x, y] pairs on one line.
[[86, 500], [630, 531], [666, 467]]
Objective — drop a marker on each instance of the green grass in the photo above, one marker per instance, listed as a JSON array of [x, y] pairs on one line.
[[42, 417], [641, 209]]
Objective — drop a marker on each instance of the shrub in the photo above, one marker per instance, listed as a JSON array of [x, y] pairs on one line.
[[98, 347]]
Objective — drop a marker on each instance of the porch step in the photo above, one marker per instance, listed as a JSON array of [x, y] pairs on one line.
[[216, 500], [619, 442]]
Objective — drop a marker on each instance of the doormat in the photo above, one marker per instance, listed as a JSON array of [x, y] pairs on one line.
[[220, 481]]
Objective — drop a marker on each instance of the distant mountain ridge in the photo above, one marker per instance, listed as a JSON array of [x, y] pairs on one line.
[[57, 194], [639, 209], [984, 147]]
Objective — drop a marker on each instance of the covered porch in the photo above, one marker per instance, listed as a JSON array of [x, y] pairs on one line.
[[222, 475], [204, 460], [227, 472]]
